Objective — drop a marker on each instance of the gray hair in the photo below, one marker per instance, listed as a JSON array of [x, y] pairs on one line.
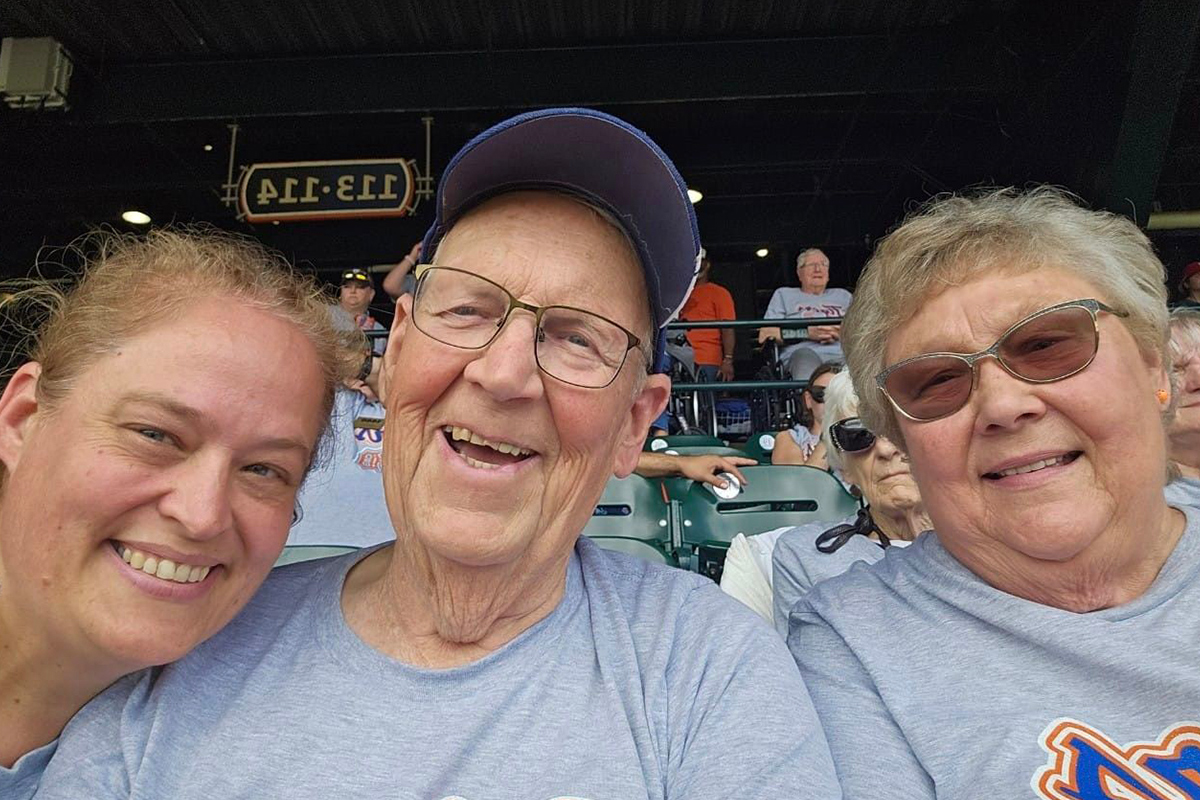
[[841, 402], [1185, 333], [803, 253], [957, 239]]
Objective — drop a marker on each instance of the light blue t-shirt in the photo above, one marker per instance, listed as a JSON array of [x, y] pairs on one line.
[[932, 683], [341, 502], [644, 682], [791, 302], [19, 781], [1183, 492], [797, 565]]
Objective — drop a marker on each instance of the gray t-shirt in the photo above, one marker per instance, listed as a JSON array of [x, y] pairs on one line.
[[19, 781], [931, 683], [790, 302], [1183, 492], [342, 502], [797, 565], [645, 681]]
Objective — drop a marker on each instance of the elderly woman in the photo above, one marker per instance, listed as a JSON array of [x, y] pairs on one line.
[[1014, 345], [801, 444], [893, 514], [149, 462], [1184, 434]]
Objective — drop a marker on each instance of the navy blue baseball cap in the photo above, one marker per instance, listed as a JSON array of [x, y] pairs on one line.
[[596, 156]]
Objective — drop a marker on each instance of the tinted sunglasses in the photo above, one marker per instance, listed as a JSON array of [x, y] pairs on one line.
[[851, 436], [817, 393], [1047, 346]]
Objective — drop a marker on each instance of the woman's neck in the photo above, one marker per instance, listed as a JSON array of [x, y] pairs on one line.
[[41, 688], [901, 522]]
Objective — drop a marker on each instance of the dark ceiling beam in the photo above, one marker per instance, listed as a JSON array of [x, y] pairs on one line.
[[508, 79], [1161, 53]]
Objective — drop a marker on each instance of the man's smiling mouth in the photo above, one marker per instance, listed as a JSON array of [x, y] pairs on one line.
[[481, 452]]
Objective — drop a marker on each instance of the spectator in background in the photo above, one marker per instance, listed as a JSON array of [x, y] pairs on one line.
[[893, 513], [801, 443], [805, 349], [400, 280], [1189, 286], [354, 301], [1184, 433], [713, 346]]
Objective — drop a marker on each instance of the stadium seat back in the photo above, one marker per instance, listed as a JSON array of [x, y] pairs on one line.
[[657, 444], [760, 446], [633, 517], [774, 497], [308, 552]]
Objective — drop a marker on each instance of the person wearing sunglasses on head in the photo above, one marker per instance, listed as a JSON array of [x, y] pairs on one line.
[[1042, 639], [893, 514], [801, 443]]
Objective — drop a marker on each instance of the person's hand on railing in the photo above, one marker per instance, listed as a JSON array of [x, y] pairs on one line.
[[824, 334]]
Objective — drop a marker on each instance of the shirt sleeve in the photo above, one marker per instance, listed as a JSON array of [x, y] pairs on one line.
[[777, 308], [723, 303], [740, 721], [101, 746], [872, 755]]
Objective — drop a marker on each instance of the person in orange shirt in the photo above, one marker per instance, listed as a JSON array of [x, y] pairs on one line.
[[713, 346]]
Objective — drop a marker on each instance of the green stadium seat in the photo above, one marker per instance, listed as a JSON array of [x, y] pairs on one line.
[[308, 552], [703, 450], [633, 517], [760, 446], [657, 444], [774, 497]]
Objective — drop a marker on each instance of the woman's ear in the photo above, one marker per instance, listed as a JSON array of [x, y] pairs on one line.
[[18, 409]]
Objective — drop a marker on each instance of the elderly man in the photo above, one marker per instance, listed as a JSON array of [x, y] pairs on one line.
[[818, 344], [492, 652]]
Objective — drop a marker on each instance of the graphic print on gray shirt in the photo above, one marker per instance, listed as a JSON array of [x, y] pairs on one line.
[[931, 683], [645, 681]]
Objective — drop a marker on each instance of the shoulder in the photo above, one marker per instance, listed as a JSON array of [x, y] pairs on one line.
[[687, 606], [868, 593]]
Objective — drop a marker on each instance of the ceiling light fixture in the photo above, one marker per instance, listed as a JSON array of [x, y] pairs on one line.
[[208, 148], [762, 252], [134, 217], [695, 196]]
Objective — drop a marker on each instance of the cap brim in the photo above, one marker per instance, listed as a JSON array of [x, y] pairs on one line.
[[597, 156]]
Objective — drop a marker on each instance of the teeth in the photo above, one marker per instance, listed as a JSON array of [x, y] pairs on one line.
[[164, 569], [479, 464], [466, 435], [1034, 467]]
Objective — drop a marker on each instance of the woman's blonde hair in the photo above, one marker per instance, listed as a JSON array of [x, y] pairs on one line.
[[841, 402], [127, 284], [957, 239]]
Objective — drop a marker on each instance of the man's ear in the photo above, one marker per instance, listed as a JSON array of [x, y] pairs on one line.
[[649, 402], [400, 323], [18, 409]]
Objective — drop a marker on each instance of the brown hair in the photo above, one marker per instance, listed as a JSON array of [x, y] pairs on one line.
[[129, 283]]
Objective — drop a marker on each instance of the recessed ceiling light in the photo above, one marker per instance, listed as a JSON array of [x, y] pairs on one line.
[[695, 196], [762, 252], [136, 217], [208, 148]]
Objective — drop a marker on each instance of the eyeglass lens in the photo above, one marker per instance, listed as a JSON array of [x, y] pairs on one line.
[[818, 393], [465, 310], [851, 437], [1044, 348]]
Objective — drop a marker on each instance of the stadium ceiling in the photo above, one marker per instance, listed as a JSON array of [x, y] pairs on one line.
[[814, 122]]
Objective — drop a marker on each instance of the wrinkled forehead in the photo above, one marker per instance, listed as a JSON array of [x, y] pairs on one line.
[[547, 247]]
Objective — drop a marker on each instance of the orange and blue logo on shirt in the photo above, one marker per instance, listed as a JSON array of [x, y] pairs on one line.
[[1085, 764]]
